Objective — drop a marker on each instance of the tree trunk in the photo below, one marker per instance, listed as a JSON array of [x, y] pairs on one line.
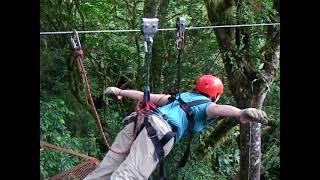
[[250, 144], [248, 85], [158, 49], [152, 9]]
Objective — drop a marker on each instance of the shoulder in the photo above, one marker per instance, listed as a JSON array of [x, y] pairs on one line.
[[210, 110]]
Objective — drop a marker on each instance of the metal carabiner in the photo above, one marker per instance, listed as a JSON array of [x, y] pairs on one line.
[[75, 41], [149, 27], [180, 24]]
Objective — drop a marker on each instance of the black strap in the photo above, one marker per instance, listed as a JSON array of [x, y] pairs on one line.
[[158, 144], [197, 102], [179, 71], [154, 138], [193, 103], [186, 108], [131, 119], [190, 116], [161, 168], [166, 138]]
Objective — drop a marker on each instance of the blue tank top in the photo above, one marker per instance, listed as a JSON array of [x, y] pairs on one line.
[[178, 118]]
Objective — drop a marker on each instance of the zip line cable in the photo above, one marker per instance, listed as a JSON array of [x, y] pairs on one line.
[[166, 29]]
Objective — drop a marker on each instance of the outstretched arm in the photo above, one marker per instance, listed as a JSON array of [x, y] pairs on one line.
[[245, 115], [157, 99], [215, 110]]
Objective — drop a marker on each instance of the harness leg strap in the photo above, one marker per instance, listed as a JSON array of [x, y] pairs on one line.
[[154, 138], [166, 138], [158, 144]]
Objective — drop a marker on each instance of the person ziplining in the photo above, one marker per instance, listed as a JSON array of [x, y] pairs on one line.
[[163, 120]]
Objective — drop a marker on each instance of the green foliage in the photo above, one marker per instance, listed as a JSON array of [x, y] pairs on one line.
[[116, 59], [222, 165], [53, 130], [271, 135], [271, 162], [227, 154]]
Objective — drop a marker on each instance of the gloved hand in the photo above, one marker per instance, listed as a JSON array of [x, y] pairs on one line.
[[253, 114], [112, 91]]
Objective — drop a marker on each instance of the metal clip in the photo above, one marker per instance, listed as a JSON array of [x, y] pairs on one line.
[[149, 27], [181, 27], [75, 41]]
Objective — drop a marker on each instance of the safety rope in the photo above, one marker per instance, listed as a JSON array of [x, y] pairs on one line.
[[79, 55], [147, 62], [166, 29], [149, 27], [45, 144]]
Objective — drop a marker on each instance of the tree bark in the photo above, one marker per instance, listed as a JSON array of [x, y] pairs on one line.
[[158, 9], [158, 48], [248, 85], [151, 8]]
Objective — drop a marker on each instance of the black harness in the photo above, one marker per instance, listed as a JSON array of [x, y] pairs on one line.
[[152, 133], [186, 107]]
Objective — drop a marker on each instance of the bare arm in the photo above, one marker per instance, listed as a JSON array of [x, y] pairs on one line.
[[157, 99], [212, 111], [215, 110], [245, 115]]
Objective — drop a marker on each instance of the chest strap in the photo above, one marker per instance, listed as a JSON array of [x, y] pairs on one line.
[[186, 107]]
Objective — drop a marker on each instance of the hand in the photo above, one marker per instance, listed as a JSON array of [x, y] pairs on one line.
[[253, 114], [113, 91]]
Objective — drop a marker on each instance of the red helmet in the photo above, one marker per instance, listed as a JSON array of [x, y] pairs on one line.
[[210, 86]]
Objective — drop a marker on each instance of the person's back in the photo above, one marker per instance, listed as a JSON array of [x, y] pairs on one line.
[[178, 118]]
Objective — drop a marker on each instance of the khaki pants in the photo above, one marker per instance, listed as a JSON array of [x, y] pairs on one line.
[[141, 160]]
